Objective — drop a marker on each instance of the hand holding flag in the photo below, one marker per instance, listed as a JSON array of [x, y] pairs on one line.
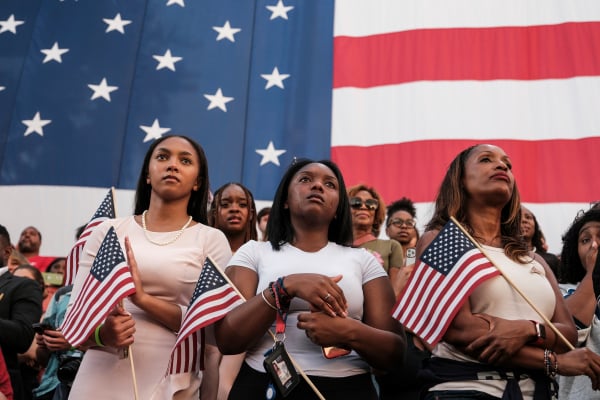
[[108, 283]]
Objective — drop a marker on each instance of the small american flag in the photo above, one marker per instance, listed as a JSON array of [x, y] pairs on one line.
[[450, 268], [213, 298], [104, 212], [109, 282]]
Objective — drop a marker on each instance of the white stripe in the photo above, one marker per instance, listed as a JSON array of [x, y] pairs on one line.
[[56, 211], [482, 110], [554, 219], [59, 227], [362, 18]]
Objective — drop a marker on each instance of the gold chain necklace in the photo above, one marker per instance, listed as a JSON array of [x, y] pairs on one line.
[[189, 221]]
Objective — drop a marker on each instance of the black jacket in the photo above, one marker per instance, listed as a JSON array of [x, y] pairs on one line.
[[20, 306]]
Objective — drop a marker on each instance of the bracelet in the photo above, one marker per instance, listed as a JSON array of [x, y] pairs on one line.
[[281, 295], [550, 370], [262, 293], [282, 286], [97, 335]]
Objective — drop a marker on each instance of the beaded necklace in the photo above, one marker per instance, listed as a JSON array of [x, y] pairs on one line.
[[189, 221]]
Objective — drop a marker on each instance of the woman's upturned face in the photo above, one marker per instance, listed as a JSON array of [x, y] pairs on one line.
[[363, 215], [314, 190], [588, 243], [233, 210], [488, 175], [527, 223], [173, 169]]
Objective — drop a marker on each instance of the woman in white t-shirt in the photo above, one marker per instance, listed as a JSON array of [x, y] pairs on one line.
[[308, 280]]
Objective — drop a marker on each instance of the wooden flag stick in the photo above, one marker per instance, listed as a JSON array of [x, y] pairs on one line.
[[298, 368], [135, 387], [515, 287]]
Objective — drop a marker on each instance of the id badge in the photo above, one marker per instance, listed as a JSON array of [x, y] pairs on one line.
[[278, 365]]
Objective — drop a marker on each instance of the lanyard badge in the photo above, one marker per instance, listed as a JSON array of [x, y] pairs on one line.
[[277, 361], [278, 365]]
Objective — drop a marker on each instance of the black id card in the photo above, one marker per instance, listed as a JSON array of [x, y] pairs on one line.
[[282, 371]]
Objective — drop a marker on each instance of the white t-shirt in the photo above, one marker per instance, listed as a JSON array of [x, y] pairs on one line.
[[357, 266]]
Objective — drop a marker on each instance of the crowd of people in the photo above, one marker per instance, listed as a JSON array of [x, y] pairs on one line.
[[319, 285]]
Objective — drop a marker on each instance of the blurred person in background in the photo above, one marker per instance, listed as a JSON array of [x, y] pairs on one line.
[[29, 245], [20, 307], [368, 214], [233, 212], [532, 233], [262, 219]]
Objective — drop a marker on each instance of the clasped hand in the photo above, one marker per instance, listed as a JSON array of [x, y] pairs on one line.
[[328, 304], [322, 329], [322, 292]]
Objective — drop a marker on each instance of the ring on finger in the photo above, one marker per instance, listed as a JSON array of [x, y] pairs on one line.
[[327, 297]]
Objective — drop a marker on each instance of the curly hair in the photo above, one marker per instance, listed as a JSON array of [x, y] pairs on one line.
[[404, 204], [250, 228], [379, 212], [452, 201], [571, 269]]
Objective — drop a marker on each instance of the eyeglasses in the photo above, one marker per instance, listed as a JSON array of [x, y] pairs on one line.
[[357, 202], [398, 223]]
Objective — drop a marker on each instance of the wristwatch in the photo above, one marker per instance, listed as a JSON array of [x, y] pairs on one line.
[[540, 331]]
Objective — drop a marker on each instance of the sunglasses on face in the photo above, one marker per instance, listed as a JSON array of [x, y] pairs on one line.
[[398, 223], [370, 204]]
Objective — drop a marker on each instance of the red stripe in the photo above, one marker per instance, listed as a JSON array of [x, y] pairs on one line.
[[533, 52], [543, 169]]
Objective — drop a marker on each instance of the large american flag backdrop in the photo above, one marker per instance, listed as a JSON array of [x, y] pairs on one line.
[[391, 90]]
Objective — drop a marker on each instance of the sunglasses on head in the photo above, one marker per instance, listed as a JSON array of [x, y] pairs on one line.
[[370, 204]]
